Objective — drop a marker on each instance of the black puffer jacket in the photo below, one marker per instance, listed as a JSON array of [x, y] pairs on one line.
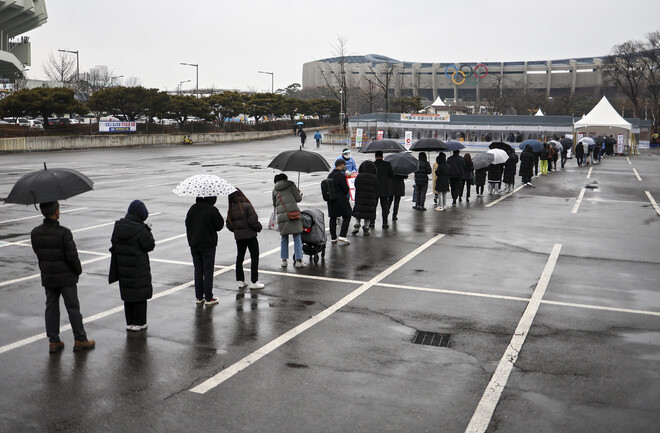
[[527, 160], [423, 170], [399, 185], [510, 168], [366, 192], [495, 173], [341, 206], [480, 176], [57, 254], [457, 166], [131, 243], [242, 219], [203, 223], [442, 177], [385, 175]]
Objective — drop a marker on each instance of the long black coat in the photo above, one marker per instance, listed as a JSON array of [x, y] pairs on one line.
[[57, 254], [423, 171], [341, 206], [527, 160], [399, 185], [131, 243], [480, 176], [385, 174], [366, 196], [457, 166], [442, 174], [495, 173], [242, 219], [510, 169]]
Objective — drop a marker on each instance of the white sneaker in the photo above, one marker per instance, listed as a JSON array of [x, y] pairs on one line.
[[334, 241], [344, 241], [140, 327], [242, 284], [256, 286], [299, 264], [284, 264], [130, 328], [439, 208]]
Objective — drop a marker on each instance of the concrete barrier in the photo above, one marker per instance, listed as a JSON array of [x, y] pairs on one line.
[[81, 142]]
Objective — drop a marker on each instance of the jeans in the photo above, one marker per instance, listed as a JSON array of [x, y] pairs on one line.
[[297, 247], [70, 296], [385, 207], [343, 231], [241, 246], [455, 186], [442, 199], [421, 189], [395, 207], [367, 222], [203, 260], [136, 313], [493, 187]]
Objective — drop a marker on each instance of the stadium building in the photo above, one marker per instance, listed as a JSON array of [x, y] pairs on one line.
[[18, 17], [465, 83]]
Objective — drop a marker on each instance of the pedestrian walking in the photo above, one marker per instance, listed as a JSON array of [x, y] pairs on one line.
[[579, 154], [543, 157], [551, 156], [303, 137], [131, 243], [468, 178], [527, 159], [422, 181], [351, 166], [385, 174], [510, 172], [494, 178], [442, 176], [457, 171], [317, 137], [60, 269], [555, 158], [243, 221], [203, 222], [286, 197], [480, 181], [340, 207], [366, 197], [398, 191], [564, 156]]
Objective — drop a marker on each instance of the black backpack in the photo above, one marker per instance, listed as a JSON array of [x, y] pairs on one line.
[[328, 190]]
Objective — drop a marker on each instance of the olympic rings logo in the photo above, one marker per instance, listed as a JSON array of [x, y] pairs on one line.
[[471, 75]]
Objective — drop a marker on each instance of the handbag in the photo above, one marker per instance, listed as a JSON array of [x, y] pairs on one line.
[[294, 214]]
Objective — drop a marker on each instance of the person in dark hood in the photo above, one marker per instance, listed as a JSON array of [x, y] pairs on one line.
[[303, 137], [385, 174], [456, 174], [131, 243], [442, 173], [203, 222], [243, 221], [422, 181], [366, 196], [527, 159], [510, 172], [340, 207], [60, 268]]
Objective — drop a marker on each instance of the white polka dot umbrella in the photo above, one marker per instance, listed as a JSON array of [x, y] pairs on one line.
[[204, 185]]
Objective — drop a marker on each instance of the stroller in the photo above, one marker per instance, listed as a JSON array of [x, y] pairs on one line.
[[313, 235]]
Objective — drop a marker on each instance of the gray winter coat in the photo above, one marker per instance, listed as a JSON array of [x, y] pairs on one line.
[[290, 195]]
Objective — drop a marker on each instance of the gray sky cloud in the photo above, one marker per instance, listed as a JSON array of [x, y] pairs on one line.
[[231, 41]]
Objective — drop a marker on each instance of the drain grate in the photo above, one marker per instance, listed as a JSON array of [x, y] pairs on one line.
[[426, 338]]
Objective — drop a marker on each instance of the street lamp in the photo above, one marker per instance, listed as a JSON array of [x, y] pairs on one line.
[[272, 80], [196, 75], [180, 83], [77, 62], [112, 79], [341, 110]]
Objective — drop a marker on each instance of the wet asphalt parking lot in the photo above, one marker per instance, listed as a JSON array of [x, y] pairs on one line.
[[550, 296]]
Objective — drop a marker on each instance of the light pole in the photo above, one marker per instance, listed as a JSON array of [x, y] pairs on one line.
[[196, 76], [341, 110], [77, 62], [180, 83], [272, 80], [112, 79]]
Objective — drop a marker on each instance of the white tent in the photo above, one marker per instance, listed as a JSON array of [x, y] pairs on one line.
[[539, 113], [438, 103], [604, 120]]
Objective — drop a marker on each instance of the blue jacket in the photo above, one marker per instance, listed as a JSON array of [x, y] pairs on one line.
[[317, 136], [351, 167]]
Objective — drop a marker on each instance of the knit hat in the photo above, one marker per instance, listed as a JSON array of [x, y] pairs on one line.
[[138, 209]]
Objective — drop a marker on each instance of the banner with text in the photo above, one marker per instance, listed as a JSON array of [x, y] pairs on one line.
[[358, 137], [420, 117], [117, 126], [408, 142]]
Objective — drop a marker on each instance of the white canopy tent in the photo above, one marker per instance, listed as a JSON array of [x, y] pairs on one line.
[[438, 103], [604, 120]]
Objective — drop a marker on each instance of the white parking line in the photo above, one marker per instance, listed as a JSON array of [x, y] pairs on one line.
[[491, 397], [41, 216], [628, 159], [655, 205], [579, 200], [250, 359], [493, 203], [637, 174], [589, 172]]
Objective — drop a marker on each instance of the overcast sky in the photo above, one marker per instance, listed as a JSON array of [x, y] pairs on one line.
[[232, 40]]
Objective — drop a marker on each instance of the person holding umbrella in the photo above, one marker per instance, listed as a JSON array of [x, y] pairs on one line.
[[468, 177], [366, 197], [422, 181], [385, 173], [510, 172], [494, 178], [243, 221], [579, 154], [340, 207], [131, 243], [60, 269], [398, 191], [286, 197], [527, 159]]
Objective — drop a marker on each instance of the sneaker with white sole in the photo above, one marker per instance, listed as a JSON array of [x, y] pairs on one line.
[[242, 284], [130, 327], [200, 301], [140, 327], [213, 301], [299, 264], [284, 264], [256, 286], [344, 241]]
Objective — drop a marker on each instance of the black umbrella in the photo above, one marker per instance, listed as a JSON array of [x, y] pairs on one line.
[[600, 139], [300, 160], [429, 145], [454, 145], [567, 143], [48, 185], [385, 146], [403, 163], [499, 145]]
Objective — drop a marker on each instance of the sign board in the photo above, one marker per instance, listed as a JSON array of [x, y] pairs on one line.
[[358, 137], [380, 134], [117, 126], [580, 135], [408, 142], [422, 117], [619, 143], [351, 187]]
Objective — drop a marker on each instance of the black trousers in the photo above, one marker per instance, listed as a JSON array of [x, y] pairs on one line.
[[70, 296], [385, 207], [203, 260], [243, 245], [479, 189], [343, 232], [396, 200], [564, 158], [465, 183], [136, 313], [536, 166], [421, 189], [580, 159], [455, 185]]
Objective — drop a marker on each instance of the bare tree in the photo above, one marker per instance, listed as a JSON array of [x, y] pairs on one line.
[[650, 62], [60, 67], [133, 82], [369, 93], [335, 78], [623, 68], [384, 80]]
